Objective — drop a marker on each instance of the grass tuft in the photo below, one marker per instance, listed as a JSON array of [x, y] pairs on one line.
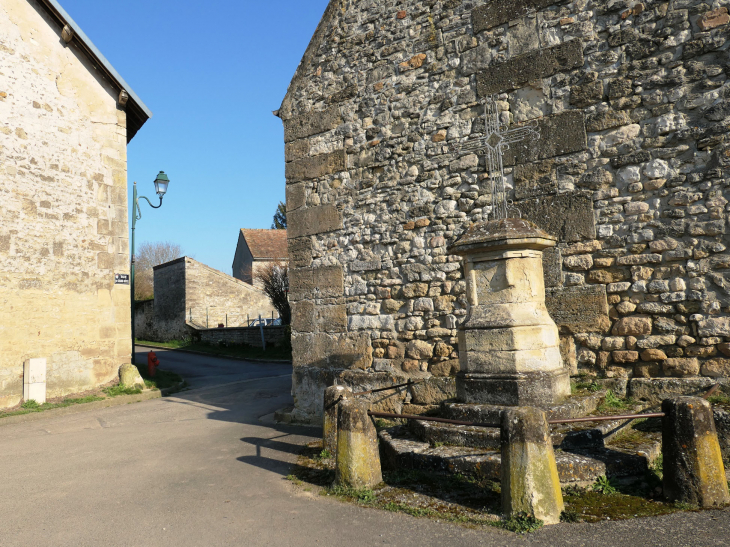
[[604, 486], [117, 390], [521, 523]]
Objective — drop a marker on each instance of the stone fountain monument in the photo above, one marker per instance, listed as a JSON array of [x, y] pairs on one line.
[[509, 345]]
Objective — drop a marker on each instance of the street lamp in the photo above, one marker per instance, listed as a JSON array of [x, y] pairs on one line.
[[161, 183]]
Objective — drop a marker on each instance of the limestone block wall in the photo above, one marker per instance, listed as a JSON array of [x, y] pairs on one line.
[[63, 211], [629, 172], [191, 296]]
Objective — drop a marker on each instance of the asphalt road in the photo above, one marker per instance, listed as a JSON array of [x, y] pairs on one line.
[[202, 469], [204, 371]]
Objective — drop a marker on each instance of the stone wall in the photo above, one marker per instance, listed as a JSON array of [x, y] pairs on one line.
[[63, 210], [631, 100], [249, 336], [191, 296]]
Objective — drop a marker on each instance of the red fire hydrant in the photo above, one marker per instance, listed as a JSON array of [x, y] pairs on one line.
[[152, 363]]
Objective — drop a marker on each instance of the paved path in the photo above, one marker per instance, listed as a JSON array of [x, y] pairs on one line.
[[201, 469], [204, 371]]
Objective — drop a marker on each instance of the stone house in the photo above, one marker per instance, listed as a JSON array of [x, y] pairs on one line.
[[256, 249], [629, 171], [66, 117], [191, 296]]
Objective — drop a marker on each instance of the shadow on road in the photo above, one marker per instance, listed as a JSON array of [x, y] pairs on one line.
[[245, 402]]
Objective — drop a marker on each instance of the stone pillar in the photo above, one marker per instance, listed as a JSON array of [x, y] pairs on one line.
[[530, 481], [693, 469], [332, 396], [509, 348], [358, 457]]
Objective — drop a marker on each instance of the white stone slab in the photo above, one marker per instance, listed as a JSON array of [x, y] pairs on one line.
[[34, 371], [35, 392]]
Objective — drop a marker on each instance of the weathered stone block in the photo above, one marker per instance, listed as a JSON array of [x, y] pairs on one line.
[[559, 135], [296, 196], [129, 376], [296, 150], [636, 325], [433, 391], [552, 267], [352, 350], [310, 283], [530, 482], [520, 70], [313, 220], [586, 94], [569, 217], [717, 368], [316, 166], [714, 326], [600, 121], [312, 123], [300, 252], [498, 12], [358, 457], [681, 367], [693, 468], [579, 309]]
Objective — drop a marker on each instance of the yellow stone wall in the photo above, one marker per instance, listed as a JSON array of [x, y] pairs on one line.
[[63, 210]]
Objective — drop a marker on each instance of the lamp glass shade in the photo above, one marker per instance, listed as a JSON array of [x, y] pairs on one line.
[[161, 183]]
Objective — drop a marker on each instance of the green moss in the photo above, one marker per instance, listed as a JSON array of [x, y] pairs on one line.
[[591, 506]]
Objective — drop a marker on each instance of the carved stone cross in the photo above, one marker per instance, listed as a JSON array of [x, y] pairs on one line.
[[492, 144]]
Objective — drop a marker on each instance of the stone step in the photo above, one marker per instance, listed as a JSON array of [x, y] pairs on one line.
[[572, 407], [436, 433], [401, 449]]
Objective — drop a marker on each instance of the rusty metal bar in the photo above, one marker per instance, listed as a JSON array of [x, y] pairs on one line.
[[427, 419], [409, 383], [606, 418], [478, 424], [713, 389]]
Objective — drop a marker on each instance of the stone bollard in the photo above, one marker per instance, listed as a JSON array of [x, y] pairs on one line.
[[332, 396], [358, 457], [530, 482], [693, 469]]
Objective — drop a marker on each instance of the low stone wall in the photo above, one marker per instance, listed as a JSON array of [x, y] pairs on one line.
[[250, 336]]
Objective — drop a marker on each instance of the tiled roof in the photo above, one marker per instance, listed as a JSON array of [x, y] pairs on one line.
[[266, 243]]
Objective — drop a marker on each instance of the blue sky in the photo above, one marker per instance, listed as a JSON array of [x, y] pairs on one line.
[[211, 72]]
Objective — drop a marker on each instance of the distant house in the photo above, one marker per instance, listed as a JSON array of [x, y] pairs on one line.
[[190, 296], [66, 117], [255, 249]]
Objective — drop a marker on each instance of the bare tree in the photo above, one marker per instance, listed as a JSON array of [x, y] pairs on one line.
[[147, 257], [274, 277]]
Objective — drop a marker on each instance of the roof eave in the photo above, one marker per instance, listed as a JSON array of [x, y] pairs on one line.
[[137, 111]]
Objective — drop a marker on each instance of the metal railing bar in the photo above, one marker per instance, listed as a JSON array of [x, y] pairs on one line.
[[606, 418], [713, 389], [409, 383]]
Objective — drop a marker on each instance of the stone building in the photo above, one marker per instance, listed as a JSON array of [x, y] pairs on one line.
[[629, 172], [66, 117], [190, 296], [255, 250]]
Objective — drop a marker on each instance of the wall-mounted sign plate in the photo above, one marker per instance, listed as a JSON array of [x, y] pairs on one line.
[[121, 279]]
